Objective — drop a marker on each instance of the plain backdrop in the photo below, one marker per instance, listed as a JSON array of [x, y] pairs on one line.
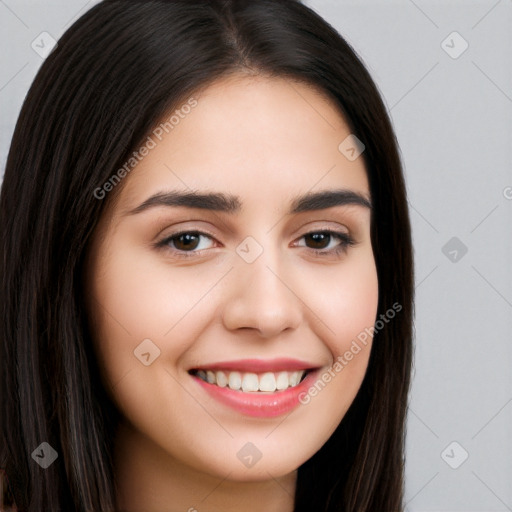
[[445, 71]]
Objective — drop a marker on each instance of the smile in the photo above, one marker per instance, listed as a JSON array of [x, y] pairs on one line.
[[249, 382], [257, 388]]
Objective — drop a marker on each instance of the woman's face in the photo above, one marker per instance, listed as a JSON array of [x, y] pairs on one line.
[[244, 288]]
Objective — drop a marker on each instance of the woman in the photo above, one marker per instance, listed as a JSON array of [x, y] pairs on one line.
[[207, 268]]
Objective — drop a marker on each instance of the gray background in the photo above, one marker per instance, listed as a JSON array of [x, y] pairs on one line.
[[452, 113]]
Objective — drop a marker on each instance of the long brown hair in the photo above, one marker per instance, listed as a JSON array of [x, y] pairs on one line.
[[112, 77]]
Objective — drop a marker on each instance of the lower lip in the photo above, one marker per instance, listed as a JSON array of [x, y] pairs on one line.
[[259, 404]]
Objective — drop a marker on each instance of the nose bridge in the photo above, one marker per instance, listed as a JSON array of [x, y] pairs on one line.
[[261, 293]]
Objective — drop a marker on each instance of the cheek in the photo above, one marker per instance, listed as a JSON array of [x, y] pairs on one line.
[[137, 299], [357, 307], [346, 299]]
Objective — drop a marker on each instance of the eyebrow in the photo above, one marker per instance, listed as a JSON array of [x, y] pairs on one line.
[[220, 202]]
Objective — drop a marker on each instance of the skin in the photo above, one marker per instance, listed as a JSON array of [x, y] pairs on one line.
[[265, 140]]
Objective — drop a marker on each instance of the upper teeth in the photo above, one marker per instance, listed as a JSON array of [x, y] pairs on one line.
[[268, 381]]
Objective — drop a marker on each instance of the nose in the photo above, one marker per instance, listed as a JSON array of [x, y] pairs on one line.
[[261, 296]]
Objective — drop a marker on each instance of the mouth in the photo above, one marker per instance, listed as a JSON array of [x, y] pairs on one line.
[[257, 388], [251, 382]]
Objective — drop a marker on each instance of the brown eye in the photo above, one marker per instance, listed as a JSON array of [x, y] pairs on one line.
[[186, 244], [318, 240], [186, 241]]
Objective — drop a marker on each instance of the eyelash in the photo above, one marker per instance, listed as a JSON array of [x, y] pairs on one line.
[[346, 241]]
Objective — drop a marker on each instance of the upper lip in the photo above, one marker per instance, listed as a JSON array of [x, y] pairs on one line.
[[258, 365]]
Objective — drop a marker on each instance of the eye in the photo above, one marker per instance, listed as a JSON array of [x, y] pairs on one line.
[[321, 242], [185, 242]]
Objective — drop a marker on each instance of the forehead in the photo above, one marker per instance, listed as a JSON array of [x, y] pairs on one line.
[[254, 135]]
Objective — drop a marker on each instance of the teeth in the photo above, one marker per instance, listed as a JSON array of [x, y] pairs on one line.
[[252, 382], [222, 380], [294, 378], [282, 381], [235, 380], [267, 382]]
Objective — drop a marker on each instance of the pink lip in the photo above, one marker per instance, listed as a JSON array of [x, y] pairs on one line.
[[259, 365], [259, 404]]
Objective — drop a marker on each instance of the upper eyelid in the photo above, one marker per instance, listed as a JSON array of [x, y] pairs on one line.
[[201, 230], [170, 237], [167, 238]]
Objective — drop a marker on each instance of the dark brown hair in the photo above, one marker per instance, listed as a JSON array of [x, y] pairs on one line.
[[110, 80]]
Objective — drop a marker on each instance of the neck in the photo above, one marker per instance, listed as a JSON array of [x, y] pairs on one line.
[[150, 480]]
